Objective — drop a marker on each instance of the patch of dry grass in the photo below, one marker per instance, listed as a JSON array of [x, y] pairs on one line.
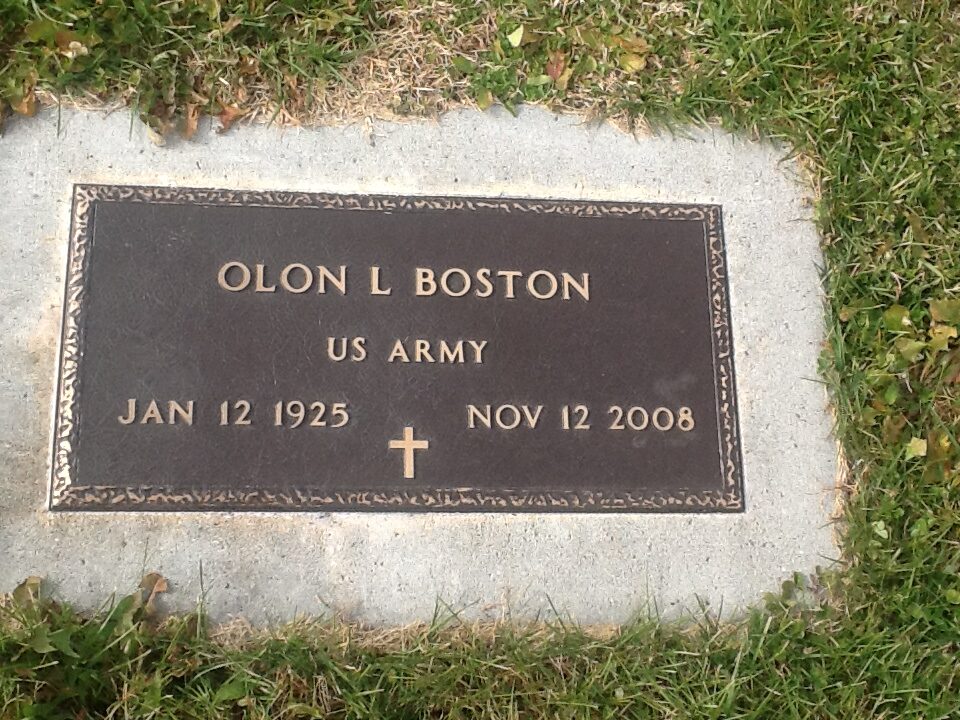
[[407, 63]]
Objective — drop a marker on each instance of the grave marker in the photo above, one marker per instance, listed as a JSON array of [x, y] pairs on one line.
[[232, 350]]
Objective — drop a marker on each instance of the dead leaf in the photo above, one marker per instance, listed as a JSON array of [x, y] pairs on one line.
[[152, 585], [556, 64], [632, 62], [938, 446], [909, 348], [938, 456], [63, 38], [248, 65], [940, 336], [917, 447], [528, 34], [892, 427], [896, 318], [27, 592], [945, 310], [293, 83], [227, 116], [484, 98], [191, 118], [27, 104], [44, 29], [952, 374], [589, 37], [154, 582], [634, 44]]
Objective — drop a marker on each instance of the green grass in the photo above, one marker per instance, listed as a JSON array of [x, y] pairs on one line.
[[867, 93], [169, 59], [798, 657]]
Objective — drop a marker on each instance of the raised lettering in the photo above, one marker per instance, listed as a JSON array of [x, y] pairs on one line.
[[131, 412], [222, 277], [483, 280], [259, 285], [285, 278], [551, 283], [399, 352], [339, 281], [375, 288], [449, 354], [510, 276], [425, 284], [582, 287], [152, 415], [464, 282], [483, 416], [478, 350], [421, 349], [177, 413]]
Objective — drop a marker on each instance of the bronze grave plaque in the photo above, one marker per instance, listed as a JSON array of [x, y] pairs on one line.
[[230, 350]]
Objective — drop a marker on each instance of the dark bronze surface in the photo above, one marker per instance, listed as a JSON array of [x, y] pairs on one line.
[[146, 319]]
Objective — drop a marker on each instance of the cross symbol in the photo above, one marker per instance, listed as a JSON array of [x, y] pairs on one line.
[[408, 445]]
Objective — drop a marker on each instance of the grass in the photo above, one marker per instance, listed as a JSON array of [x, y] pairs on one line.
[[798, 657], [868, 94]]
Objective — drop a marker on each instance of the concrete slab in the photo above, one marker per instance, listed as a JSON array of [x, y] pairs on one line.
[[390, 568]]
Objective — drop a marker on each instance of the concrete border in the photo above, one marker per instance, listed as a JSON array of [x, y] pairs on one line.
[[388, 568]]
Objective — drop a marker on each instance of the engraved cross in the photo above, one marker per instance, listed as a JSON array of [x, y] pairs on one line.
[[408, 445]]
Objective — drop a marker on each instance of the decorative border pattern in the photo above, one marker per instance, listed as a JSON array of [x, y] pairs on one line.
[[66, 494]]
